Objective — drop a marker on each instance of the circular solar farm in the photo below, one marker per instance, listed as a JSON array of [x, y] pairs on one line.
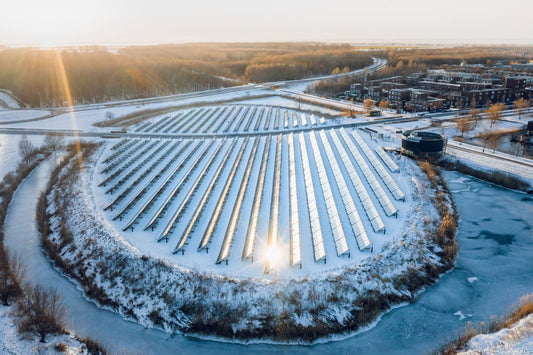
[[252, 190]]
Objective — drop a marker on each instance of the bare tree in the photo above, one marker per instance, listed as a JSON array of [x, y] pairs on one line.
[[11, 274], [494, 112], [491, 139], [485, 137], [383, 105], [26, 149], [464, 125], [54, 141], [475, 115], [368, 104], [520, 105], [40, 312], [494, 141]]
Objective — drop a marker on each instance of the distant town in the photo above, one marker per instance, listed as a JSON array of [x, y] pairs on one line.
[[453, 86]]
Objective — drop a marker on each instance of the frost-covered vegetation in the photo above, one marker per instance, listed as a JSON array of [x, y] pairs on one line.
[[157, 294], [31, 316], [510, 333]]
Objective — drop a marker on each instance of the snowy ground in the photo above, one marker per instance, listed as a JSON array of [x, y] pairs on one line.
[[8, 116], [517, 339], [6, 101], [489, 160], [155, 177], [106, 253], [417, 328], [12, 343], [85, 116], [9, 152]]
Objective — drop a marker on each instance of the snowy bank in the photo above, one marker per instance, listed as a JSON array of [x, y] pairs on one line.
[[517, 339], [158, 294]]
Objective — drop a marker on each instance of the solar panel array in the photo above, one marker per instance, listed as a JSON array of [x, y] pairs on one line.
[[356, 223], [336, 227], [295, 254], [381, 195], [397, 193], [319, 251], [362, 193], [230, 119], [225, 192], [393, 167]]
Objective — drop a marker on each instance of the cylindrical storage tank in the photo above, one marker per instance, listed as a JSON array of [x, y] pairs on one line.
[[422, 144]]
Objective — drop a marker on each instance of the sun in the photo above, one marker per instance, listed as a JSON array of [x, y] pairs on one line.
[[272, 258]]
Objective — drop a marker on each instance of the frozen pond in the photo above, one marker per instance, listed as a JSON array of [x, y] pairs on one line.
[[493, 270]]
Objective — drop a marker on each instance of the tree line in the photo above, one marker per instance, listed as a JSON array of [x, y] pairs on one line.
[[58, 77]]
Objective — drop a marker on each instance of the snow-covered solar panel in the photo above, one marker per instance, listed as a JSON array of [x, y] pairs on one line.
[[207, 193], [355, 221], [266, 119], [166, 182], [244, 119], [339, 236], [382, 197], [230, 231], [187, 199], [195, 119], [393, 167], [171, 195], [260, 118], [249, 242], [186, 120], [147, 170], [277, 119], [295, 254], [210, 115], [304, 120], [208, 235], [370, 210], [395, 190], [136, 164], [237, 118], [316, 232], [175, 121], [273, 228], [312, 119], [214, 119], [227, 117]]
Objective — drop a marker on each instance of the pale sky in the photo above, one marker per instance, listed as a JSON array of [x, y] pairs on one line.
[[116, 22]]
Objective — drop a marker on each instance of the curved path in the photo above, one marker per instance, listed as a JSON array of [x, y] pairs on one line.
[[84, 318], [493, 270]]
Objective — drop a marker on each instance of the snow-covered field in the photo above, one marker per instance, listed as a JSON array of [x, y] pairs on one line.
[[84, 117], [9, 152], [515, 340], [8, 116], [165, 195], [146, 286], [7, 101], [12, 343]]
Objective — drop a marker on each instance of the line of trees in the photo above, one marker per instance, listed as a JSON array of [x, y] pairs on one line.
[[440, 56], [45, 78]]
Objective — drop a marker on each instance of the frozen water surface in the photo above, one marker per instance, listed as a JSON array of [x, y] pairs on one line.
[[493, 270]]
